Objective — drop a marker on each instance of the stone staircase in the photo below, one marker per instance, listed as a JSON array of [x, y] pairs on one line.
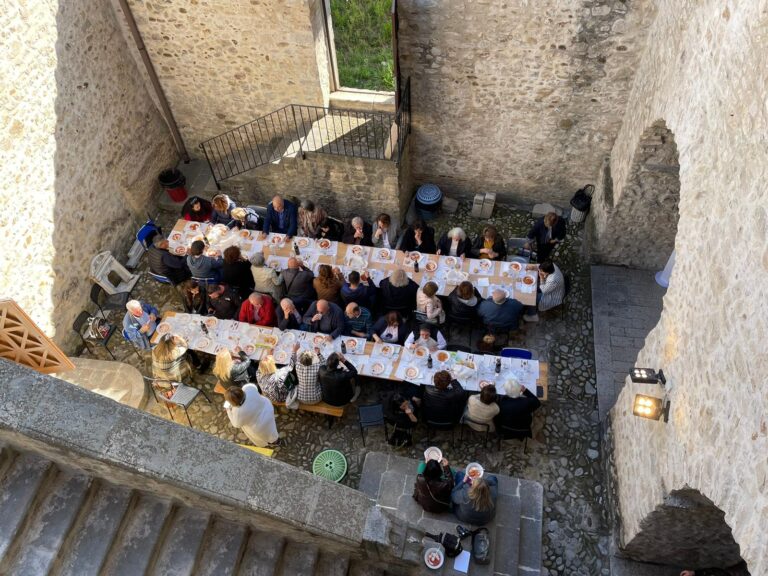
[[62, 521], [515, 532]]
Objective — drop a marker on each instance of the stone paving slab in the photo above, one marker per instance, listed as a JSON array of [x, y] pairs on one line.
[[626, 305], [116, 380]]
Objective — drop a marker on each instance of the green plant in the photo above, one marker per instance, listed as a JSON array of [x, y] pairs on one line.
[[363, 34]]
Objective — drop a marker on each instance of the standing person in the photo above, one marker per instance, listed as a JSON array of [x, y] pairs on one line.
[[171, 359], [454, 243], [474, 501], [223, 301], [282, 217], [338, 383], [197, 209], [163, 263], [359, 232], [194, 298], [236, 271], [310, 217], [139, 323], [482, 409], [434, 486], [307, 369], [252, 413], [551, 290], [390, 328], [272, 379], [385, 232], [245, 219], [489, 245], [547, 232], [222, 210], [231, 371], [419, 237], [203, 266], [258, 309], [328, 284], [266, 279], [428, 303]]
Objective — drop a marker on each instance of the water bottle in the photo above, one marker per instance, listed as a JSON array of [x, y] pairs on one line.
[[498, 365]]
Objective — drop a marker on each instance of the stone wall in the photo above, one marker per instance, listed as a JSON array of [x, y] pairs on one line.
[[223, 63], [705, 74], [82, 144], [522, 98], [344, 186]]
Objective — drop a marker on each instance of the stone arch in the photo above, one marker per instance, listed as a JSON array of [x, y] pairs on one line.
[[686, 529], [640, 218]]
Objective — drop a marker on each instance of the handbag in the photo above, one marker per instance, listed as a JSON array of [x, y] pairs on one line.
[[450, 542], [481, 546]]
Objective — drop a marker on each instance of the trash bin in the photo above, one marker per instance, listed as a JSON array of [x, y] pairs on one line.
[[173, 181], [429, 198], [581, 202]]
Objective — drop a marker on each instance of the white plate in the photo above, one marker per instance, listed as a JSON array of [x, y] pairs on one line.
[[384, 254], [378, 368], [412, 372], [433, 554], [433, 453], [302, 242], [474, 465], [163, 328], [430, 266], [324, 244]]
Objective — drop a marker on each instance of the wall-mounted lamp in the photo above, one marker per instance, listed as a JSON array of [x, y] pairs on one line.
[[651, 407], [647, 376]]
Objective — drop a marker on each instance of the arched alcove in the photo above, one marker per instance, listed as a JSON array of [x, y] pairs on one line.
[[687, 529], [640, 220]]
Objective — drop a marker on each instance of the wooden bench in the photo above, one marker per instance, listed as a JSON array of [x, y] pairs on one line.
[[330, 412]]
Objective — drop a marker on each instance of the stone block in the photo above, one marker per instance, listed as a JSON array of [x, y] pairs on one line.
[[392, 485], [374, 466]]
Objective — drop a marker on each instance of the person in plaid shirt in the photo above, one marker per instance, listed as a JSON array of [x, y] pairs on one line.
[[307, 367]]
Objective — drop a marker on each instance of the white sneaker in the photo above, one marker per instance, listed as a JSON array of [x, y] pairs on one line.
[[355, 395], [531, 317]]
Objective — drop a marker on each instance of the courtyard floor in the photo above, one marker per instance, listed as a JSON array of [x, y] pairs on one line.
[[564, 456]]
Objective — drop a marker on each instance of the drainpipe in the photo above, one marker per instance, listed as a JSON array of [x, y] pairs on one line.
[[154, 80]]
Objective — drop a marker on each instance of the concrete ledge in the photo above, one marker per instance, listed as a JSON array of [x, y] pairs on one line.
[[363, 100]]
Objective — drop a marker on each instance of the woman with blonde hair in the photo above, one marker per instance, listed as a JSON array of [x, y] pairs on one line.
[[474, 500], [271, 379], [429, 304], [169, 359], [245, 219], [231, 371], [252, 413]]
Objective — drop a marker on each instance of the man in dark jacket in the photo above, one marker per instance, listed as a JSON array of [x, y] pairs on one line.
[[223, 301], [515, 411], [282, 217], [499, 313], [398, 292], [164, 263], [298, 284], [337, 383], [420, 237], [326, 318], [358, 231], [445, 401], [548, 231]]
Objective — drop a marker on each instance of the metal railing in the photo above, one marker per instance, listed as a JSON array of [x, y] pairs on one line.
[[296, 129]]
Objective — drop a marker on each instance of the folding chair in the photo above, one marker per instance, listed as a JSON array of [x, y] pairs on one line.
[[182, 395], [80, 323], [433, 425], [111, 302], [466, 421], [370, 415], [503, 431]]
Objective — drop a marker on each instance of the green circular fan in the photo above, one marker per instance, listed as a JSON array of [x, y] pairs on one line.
[[330, 464]]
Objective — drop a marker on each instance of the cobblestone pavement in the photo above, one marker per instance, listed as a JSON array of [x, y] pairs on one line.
[[563, 456]]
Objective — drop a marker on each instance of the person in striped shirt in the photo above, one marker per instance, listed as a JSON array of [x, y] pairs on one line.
[[551, 290], [357, 321]]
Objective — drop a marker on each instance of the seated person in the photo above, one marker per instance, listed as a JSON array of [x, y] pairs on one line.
[[164, 263], [330, 229], [385, 232], [464, 300], [139, 323], [245, 219], [328, 284], [325, 318], [489, 245], [194, 298], [499, 313], [739, 569], [234, 371], [445, 401], [358, 231], [358, 289], [266, 279], [398, 292], [434, 486], [310, 217], [474, 501], [307, 368], [236, 271], [454, 243], [271, 379], [258, 309], [222, 209], [429, 304], [390, 328], [482, 409], [288, 317], [551, 290], [282, 217], [337, 382], [547, 232], [515, 410], [196, 209], [428, 336], [298, 283], [223, 301], [200, 265], [357, 321], [400, 410], [419, 237]]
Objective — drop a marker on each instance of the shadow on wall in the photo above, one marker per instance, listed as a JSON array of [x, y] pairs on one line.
[[111, 142]]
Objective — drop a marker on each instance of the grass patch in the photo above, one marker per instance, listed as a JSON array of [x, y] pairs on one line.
[[363, 33]]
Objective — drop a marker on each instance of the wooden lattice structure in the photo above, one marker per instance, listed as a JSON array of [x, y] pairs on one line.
[[24, 343]]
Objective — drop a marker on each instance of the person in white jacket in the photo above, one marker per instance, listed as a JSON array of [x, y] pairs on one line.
[[252, 413]]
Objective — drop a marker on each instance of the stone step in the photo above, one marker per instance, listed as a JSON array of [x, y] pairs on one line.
[[262, 555], [331, 565], [91, 538], [299, 559], [48, 524], [222, 549], [132, 551], [19, 486], [183, 539], [531, 507]]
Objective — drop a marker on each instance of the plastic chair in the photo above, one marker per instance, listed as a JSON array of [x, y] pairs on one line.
[[80, 323], [135, 350], [466, 420], [183, 395], [111, 301], [370, 415], [520, 353], [160, 278], [147, 232], [506, 433]]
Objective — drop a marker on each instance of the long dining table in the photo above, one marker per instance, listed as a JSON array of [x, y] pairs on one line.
[[518, 280], [377, 360]]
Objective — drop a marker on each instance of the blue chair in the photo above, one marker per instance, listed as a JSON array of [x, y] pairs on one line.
[[148, 231], [159, 278], [135, 350], [520, 353]]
